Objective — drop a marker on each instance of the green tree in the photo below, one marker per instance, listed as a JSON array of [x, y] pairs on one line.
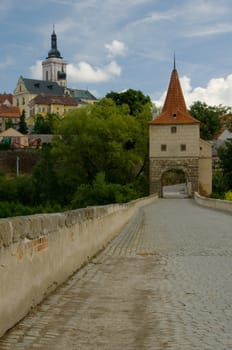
[[101, 192], [209, 116], [135, 99], [225, 155], [102, 138], [22, 124], [45, 125], [46, 189]]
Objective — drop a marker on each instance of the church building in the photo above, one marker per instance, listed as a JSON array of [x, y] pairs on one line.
[[29, 93], [175, 145]]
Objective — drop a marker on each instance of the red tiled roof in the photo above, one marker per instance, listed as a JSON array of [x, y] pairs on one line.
[[9, 111], [4, 97], [58, 100], [174, 110]]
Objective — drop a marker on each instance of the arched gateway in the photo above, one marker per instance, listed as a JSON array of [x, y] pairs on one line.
[[175, 143]]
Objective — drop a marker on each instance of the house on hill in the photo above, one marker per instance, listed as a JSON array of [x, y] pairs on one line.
[[83, 97], [6, 99], [59, 105], [9, 115], [14, 138]]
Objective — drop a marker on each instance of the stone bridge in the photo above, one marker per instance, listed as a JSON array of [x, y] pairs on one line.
[[165, 282]]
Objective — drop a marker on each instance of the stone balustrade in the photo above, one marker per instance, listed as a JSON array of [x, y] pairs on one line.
[[213, 203], [39, 252]]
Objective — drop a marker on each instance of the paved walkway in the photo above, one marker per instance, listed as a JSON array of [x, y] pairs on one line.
[[166, 285]]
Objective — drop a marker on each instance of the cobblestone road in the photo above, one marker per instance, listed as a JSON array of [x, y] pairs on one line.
[[167, 284]]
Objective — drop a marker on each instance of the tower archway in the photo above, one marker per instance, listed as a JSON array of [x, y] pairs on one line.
[[174, 183]]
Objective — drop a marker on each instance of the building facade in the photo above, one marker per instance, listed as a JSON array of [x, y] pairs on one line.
[[27, 89], [59, 105], [175, 144]]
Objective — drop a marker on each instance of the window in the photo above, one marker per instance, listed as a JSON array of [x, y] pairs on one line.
[[173, 129], [163, 148], [23, 100], [183, 147]]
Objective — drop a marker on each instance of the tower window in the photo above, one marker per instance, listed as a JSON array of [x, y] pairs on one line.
[[163, 148], [173, 129], [183, 147]]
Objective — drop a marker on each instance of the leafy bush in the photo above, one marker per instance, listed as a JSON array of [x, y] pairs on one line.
[[9, 209], [102, 192], [228, 196], [220, 184]]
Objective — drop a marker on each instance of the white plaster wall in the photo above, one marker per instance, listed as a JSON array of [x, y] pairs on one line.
[[186, 134]]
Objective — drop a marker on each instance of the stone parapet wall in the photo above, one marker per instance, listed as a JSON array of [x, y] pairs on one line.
[[212, 203], [39, 252]]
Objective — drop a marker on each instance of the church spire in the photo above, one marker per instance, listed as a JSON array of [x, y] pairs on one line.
[[54, 52]]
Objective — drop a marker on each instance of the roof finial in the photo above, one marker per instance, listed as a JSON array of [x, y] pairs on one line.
[[53, 28], [174, 61]]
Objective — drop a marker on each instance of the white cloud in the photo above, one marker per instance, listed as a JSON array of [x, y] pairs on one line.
[[211, 30], [116, 48], [84, 72], [218, 91], [36, 70]]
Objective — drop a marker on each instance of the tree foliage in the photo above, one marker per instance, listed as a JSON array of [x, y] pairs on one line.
[[101, 138], [209, 116], [135, 100], [22, 124], [225, 155], [44, 178], [45, 125], [98, 156]]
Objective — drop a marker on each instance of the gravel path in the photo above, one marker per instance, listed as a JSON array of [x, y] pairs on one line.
[[166, 284]]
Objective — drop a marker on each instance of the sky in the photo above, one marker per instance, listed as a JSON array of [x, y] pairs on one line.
[[115, 45]]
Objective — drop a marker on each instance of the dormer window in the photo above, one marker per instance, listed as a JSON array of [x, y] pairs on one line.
[[174, 115]]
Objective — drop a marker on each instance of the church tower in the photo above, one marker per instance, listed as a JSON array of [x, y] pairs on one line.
[[175, 144], [54, 67]]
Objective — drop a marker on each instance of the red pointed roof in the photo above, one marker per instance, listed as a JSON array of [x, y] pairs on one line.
[[174, 110]]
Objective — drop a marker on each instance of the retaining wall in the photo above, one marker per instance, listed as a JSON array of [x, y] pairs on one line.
[[39, 252], [213, 203]]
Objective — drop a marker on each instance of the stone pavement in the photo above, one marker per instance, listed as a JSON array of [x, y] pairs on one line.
[[166, 284]]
